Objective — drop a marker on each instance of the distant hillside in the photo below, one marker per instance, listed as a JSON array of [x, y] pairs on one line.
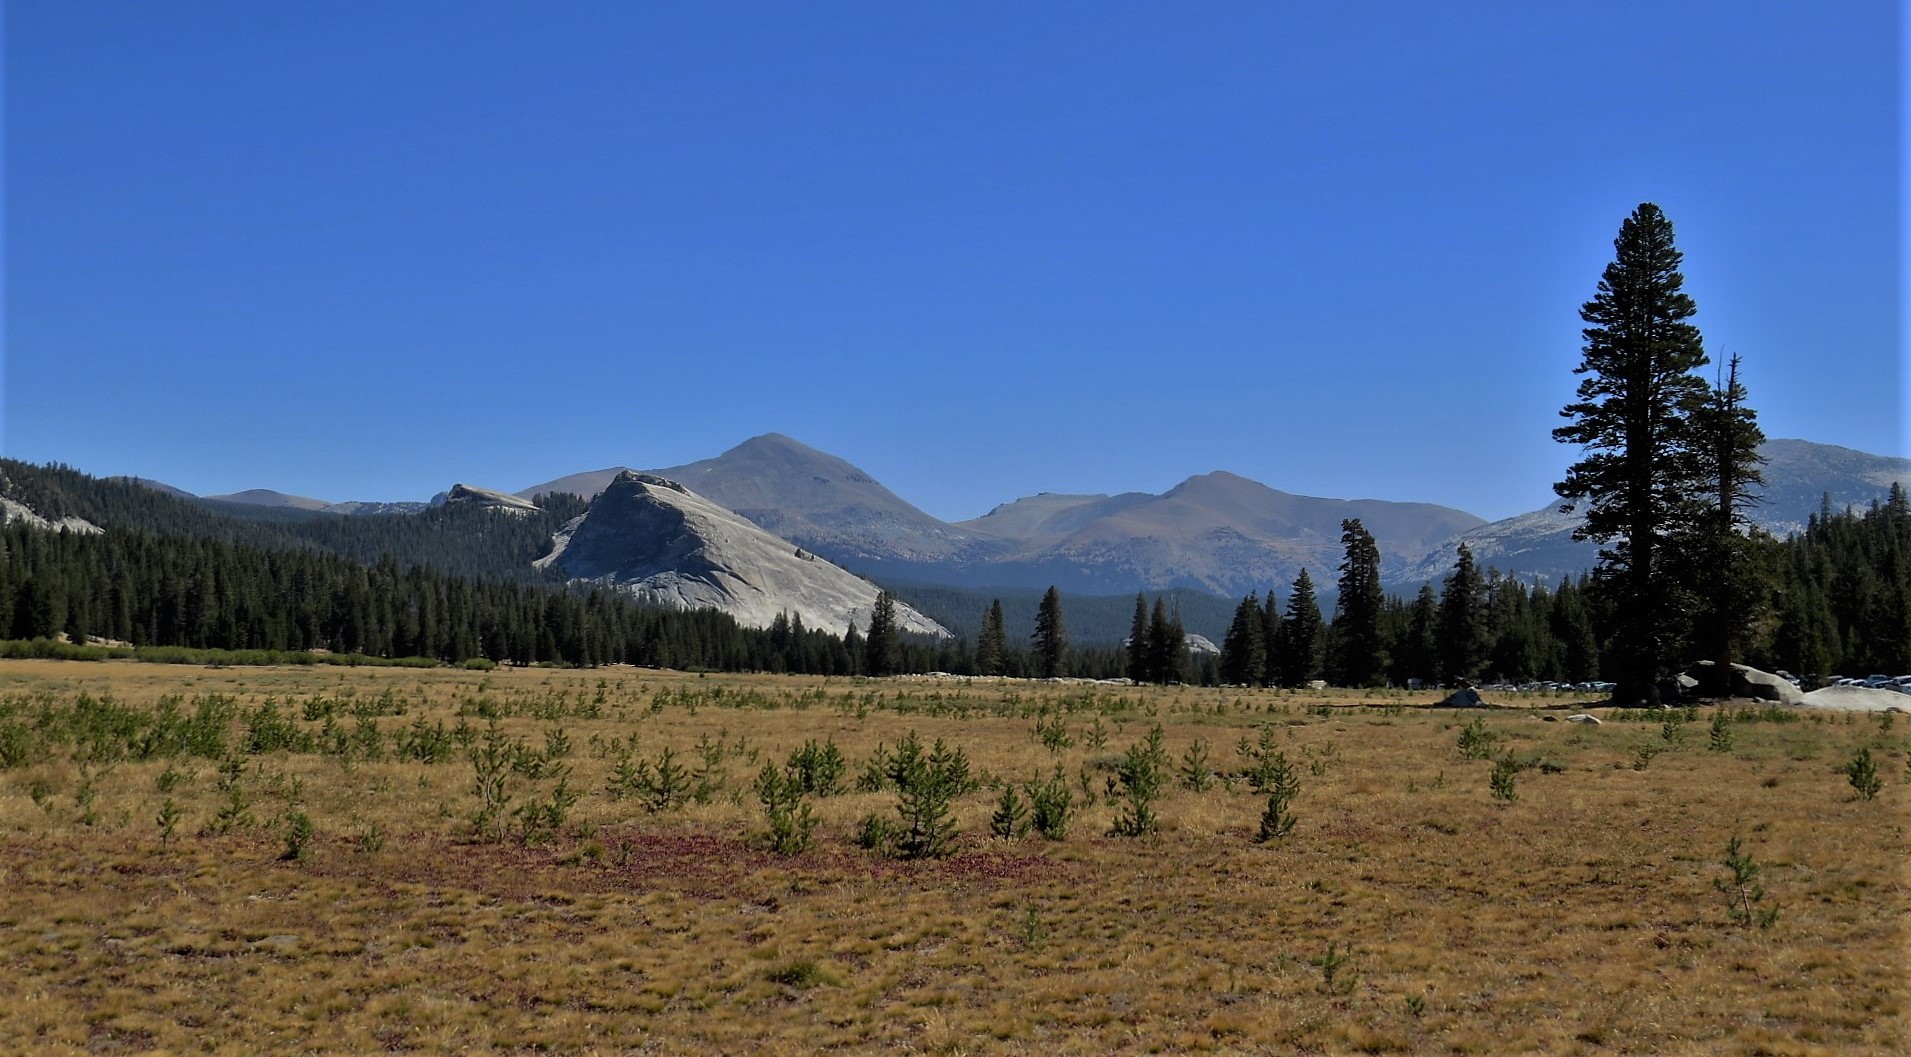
[[458, 539], [1800, 478], [1216, 533], [268, 497], [1091, 620]]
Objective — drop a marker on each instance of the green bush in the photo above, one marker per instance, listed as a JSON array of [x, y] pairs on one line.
[[1862, 772]]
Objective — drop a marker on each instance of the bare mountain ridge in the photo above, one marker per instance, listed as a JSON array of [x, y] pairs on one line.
[[811, 497], [1800, 476], [1216, 532], [270, 498], [659, 540]]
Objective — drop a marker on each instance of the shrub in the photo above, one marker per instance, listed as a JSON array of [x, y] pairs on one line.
[[818, 769], [1741, 889], [788, 814], [1505, 773], [1139, 773], [491, 763], [1476, 742], [1282, 786], [925, 786], [1721, 739], [169, 815], [1010, 820], [1049, 804], [540, 820], [1862, 773], [298, 837], [875, 833], [1196, 774]]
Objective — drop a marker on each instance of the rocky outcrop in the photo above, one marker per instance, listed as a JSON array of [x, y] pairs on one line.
[[11, 511], [471, 495], [655, 538]]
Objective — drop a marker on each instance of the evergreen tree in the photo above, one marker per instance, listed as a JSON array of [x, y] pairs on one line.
[[1270, 640], [1724, 569], [1571, 625], [1634, 424], [1299, 660], [882, 648], [1137, 667], [1417, 655], [1243, 649], [1167, 646], [1462, 621], [1050, 638], [992, 646], [853, 649], [1360, 654]]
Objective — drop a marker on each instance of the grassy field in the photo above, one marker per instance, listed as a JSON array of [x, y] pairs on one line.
[[251, 860]]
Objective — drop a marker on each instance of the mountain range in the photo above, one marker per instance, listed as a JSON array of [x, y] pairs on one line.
[[1215, 533]]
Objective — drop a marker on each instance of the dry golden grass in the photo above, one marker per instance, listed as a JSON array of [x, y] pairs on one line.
[[1580, 918]]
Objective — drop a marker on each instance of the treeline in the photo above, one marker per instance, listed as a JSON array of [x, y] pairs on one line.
[[208, 594], [148, 590], [1099, 619], [169, 573], [1482, 627], [455, 539], [1838, 597], [1834, 599]]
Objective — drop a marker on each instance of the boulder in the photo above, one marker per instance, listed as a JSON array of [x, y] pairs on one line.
[[1586, 718], [1465, 697], [1857, 699], [1749, 682]]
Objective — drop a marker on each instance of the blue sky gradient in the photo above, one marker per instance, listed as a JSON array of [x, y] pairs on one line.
[[360, 251]]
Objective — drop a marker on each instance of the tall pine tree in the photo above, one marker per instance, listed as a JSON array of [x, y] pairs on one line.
[[1634, 422], [882, 650], [992, 646], [1360, 650], [1243, 650], [1724, 569], [1137, 666], [1051, 637], [1299, 660], [1462, 633]]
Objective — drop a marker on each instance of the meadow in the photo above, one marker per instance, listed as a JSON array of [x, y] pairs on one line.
[[351, 860]]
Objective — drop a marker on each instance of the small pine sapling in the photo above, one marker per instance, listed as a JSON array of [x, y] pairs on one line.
[[1282, 785], [1505, 773], [1862, 772], [1011, 818], [1721, 739], [1742, 890]]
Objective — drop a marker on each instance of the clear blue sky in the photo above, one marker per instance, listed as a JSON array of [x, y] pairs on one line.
[[362, 250]]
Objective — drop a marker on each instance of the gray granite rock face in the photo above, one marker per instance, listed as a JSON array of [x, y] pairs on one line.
[[657, 539]]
